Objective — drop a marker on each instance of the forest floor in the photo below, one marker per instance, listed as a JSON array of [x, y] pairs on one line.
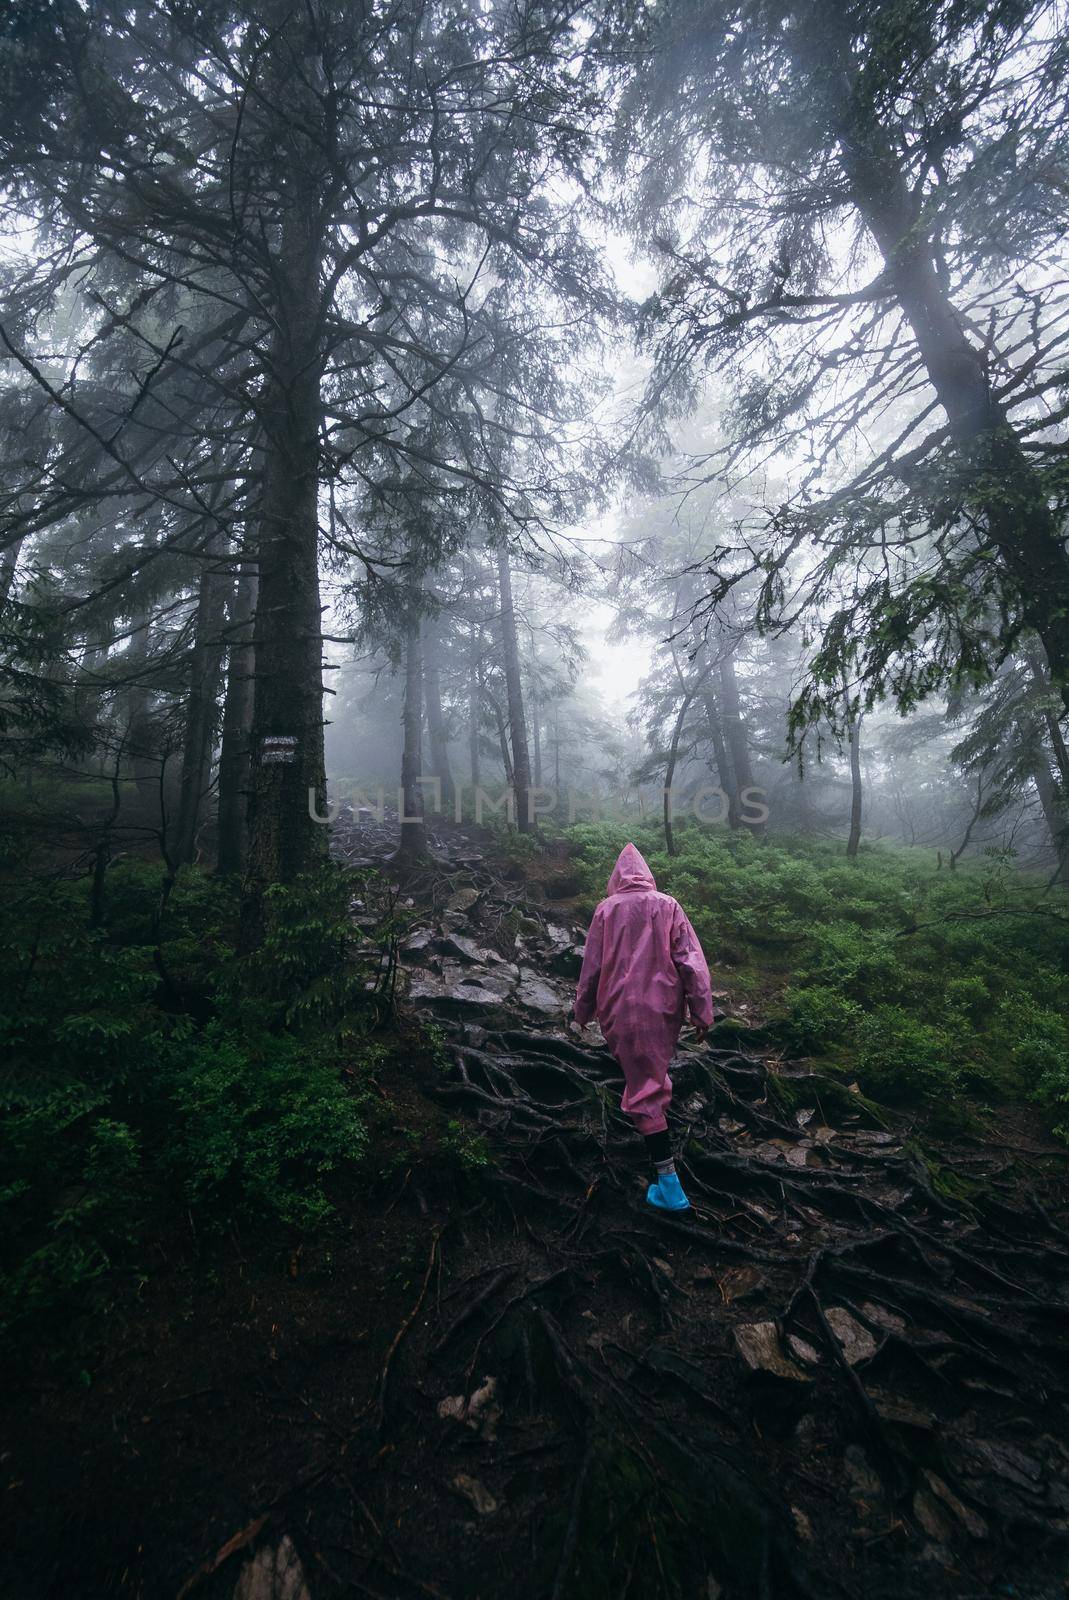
[[844, 1372]]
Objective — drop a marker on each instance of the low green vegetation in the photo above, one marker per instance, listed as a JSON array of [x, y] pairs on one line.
[[924, 984], [153, 1077]]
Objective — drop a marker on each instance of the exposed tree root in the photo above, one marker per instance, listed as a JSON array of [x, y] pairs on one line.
[[844, 1371]]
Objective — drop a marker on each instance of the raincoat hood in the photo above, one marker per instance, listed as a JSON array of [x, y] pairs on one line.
[[630, 872]]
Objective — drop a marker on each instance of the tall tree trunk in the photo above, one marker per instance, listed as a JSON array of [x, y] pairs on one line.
[[670, 772], [854, 839], [521, 760], [735, 731], [474, 692], [142, 743], [436, 731], [537, 731], [205, 672], [287, 749], [8, 562], [502, 737], [724, 775], [1055, 814], [1020, 522], [413, 843], [89, 694], [978, 806], [1040, 672], [235, 755]]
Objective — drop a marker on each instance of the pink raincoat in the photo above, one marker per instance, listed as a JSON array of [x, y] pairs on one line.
[[642, 967]]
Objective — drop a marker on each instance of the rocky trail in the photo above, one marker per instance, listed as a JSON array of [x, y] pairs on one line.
[[502, 1376], [844, 1371]]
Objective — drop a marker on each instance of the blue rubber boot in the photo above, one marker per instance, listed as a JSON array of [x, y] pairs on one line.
[[667, 1193]]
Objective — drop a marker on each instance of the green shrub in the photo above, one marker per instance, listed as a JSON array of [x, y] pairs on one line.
[[301, 975], [467, 1150], [258, 1126], [69, 1202], [863, 965], [117, 1106], [816, 1017], [899, 1058]]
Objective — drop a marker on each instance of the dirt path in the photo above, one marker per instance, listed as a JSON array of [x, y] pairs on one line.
[[844, 1372]]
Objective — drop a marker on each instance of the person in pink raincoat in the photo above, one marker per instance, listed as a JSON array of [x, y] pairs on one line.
[[643, 969]]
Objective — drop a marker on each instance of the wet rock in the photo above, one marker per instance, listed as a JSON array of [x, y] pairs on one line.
[[970, 1520], [473, 994], [758, 1345], [802, 1525], [536, 995], [480, 1411], [274, 1573], [884, 1318], [424, 986], [859, 1473], [901, 1413], [803, 1154], [475, 1493], [738, 1282], [857, 1342], [464, 949], [462, 900], [457, 990], [803, 1350], [1018, 1478], [567, 962], [933, 1520]]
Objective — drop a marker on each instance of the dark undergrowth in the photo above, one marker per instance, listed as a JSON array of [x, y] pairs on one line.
[[377, 1283], [155, 1081]]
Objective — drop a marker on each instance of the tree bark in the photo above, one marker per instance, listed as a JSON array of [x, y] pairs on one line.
[[670, 772], [1056, 816], [854, 839], [537, 732], [735, 732], [235, 754], [142, 744], [89, 694], [201, 711], [724, 775], [8, 562], [436, 729], [978, 805], [413, 842], [474, 692], [1019, 518], [287, 754], [502, 737], [521, 760]]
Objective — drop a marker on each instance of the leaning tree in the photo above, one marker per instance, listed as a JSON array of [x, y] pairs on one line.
[[861, 214]]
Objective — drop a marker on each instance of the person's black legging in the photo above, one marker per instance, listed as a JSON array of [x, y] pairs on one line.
[[659, 1146]]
